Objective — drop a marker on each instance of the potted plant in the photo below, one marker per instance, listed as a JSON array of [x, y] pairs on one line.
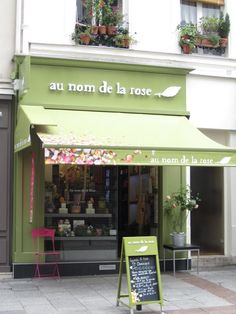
[[112, 20], [94, 12], [82, 34], [187, 45], [224, 29], [85, 37], [187, 36], [177, 206], [123, 38]]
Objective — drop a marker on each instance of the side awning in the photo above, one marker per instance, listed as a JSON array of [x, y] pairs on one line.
[[86, 137]]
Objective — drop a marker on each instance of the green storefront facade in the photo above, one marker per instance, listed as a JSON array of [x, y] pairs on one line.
[[110, 141]]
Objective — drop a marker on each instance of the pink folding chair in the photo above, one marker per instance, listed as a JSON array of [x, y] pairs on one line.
[[45, 259]]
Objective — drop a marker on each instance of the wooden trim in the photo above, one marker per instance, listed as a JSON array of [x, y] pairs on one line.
[[216, 2]]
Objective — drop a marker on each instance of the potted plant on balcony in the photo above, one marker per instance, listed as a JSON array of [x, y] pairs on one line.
[[94, 12], [187, 37], [224, 29], [112, 19], [177, 206], [123, 39], [210, 41], [85, 37], [82, 34]]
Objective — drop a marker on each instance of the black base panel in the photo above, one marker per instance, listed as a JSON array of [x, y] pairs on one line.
[[90, 268]]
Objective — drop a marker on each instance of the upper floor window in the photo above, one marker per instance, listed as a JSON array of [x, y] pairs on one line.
[[204, 28], [101, 23]]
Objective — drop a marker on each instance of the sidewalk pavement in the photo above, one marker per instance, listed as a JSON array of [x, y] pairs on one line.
[[209, 292]]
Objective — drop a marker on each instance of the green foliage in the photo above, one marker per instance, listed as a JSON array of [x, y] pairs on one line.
[[123, 38], [209, 24], [100, 12], [114, 18], [212, 28], [178, 205], [224, 25], [214, 39], [80, 30], [187, 34], [187, 41], [93, 11], [187, 29]]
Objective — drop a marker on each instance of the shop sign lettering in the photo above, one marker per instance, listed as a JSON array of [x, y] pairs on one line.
[[118, 88], [183, 161], [97, 156], [22, 143]]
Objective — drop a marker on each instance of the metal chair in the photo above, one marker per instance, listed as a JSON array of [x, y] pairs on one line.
[[45, 259]]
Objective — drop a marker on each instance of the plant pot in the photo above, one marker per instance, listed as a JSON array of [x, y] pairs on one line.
[[111, 30], [94, 29], [85, 39], [207, 43], [102, 30], [125, 43], [178, 238], [186, 49], [223, 42], [75, 209]]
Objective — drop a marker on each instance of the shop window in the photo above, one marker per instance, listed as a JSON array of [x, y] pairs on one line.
[[93, 207]]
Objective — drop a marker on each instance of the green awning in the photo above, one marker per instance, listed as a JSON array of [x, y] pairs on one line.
[[86, 137]]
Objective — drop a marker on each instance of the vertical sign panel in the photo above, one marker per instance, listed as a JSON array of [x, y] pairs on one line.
[[143, 272]]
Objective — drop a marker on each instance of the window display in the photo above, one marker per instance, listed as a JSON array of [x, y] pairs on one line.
[[80, 205]]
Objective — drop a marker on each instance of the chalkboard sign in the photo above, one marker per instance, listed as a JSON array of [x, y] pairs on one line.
[[143, 278], [142, 271]]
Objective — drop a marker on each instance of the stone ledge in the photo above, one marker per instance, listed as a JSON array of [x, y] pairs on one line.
[[213, 261]]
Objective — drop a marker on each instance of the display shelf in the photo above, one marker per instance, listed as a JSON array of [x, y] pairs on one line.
[[57, 215], [86, 238]]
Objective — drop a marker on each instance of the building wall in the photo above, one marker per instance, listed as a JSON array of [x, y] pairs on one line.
[[7, 35], [7, 44]]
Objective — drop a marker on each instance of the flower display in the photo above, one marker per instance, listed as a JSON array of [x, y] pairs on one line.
[[79, 156], [178, 205]]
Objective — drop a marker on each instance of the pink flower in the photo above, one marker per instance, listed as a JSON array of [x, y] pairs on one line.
[[129, 158]]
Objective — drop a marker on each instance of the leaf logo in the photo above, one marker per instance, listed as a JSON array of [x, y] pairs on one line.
[[169, 92], [225, 160], [142, 249]]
